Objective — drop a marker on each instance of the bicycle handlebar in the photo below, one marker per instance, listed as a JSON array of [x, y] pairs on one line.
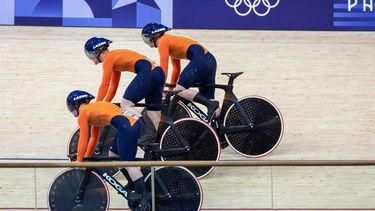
[[74, 157], [168, 85]]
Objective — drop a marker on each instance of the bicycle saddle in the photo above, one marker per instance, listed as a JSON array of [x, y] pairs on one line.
[[232, 75]]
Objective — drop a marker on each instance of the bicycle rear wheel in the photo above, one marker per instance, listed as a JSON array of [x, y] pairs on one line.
[[64, 188], [106, 137], [267, 122], [184, 189], [200, 137]]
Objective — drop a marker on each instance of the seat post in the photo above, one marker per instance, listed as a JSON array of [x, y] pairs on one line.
[[231, 80], [232, 76]]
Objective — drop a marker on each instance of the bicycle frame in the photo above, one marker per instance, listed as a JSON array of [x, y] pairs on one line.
[[112, 181], [229, 99], [166, 119], [103, 174]]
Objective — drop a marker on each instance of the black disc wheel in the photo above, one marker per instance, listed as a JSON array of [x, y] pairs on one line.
[[199, 137], [176, 189], [62, 192], [261, 134]]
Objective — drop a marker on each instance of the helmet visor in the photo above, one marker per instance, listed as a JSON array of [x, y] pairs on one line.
[[90, 55], [146, 39], [70, 107]]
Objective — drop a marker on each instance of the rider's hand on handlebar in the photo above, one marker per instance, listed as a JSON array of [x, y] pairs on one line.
[[169, 87], [72, 157]]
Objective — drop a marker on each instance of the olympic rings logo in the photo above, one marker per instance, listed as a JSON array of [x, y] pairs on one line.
[[253, 6]]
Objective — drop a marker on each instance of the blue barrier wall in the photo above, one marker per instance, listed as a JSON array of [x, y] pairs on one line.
[[209, 14]]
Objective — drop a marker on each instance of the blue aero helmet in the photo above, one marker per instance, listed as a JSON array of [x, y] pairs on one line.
[[94, 46], [76, 98], [153, 30]]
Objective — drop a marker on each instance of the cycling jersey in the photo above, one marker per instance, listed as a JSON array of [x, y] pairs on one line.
[[95, 114], [200, 70], [115, 62], [175, 47]]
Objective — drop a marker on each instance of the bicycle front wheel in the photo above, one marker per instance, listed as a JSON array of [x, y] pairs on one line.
[[106, 137], [64, 188], [176, 188], [267, 125], [200, 138]]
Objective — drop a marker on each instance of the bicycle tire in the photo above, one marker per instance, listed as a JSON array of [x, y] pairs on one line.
[[184, 188], [268, 127], [110, 136], [202, 140], [64, 187]]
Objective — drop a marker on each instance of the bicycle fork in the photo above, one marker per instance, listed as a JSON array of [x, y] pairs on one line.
[[108, 178], [82, 186]]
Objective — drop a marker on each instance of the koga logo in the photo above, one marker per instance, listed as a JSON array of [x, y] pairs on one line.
[[99, 45], [263, 4], [197, 112], [157, 30], [115, 184], [80, 97], [367, 4]]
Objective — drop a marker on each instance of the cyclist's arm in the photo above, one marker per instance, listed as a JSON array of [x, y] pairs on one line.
[[93, 141], [83, 136], [164, 57], [106, 79], [115, 79], [176, 70]]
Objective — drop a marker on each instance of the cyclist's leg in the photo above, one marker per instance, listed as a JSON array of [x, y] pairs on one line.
[[113, 152], [209, 65], [157, 80], [198, 97], [127, 139], [147, 83], [196, 73], [138, 88], [209, 92]]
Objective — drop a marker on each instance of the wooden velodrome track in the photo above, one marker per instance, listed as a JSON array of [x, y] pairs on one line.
[[323, 83]]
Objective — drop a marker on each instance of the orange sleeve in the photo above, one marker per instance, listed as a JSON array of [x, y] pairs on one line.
[[83, 136], [115, 79], [106, 79], [93, 141], [164, 57], [176, 70]]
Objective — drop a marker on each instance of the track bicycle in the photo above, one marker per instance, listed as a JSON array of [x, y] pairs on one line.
[[184, 139], [252, 125], [176, 188]]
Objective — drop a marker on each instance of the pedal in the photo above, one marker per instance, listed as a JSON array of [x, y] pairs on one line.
[[144, 205], [134, 199]]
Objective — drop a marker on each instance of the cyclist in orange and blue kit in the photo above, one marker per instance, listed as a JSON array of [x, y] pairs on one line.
[[200, 70], [147, 84], [99, 114]]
